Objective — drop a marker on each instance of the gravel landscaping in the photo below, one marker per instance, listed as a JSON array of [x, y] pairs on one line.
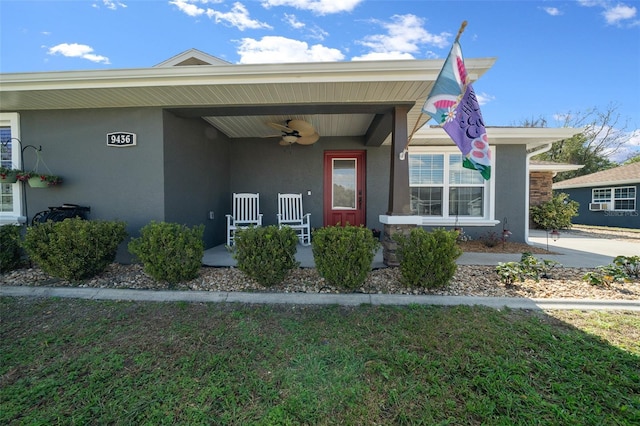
[[469, 280]]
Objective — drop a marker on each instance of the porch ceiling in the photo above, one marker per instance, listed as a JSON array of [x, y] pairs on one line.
[[338, 99]]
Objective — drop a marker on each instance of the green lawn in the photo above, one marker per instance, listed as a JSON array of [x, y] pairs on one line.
[[99, 362]]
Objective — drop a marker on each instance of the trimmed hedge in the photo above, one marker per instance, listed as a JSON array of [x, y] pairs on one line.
[[427, 259], [169, 251], [343, 255], [74, 249], [266, 253]]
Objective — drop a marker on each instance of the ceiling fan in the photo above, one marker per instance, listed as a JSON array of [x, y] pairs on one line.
[[296, 131]]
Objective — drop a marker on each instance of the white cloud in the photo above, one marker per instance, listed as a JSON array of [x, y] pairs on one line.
[[630, 148], [619, 13], [275, 49], [293, 22], [553, 11], [484, 98], [404, 35], [320, 7], [238, 17], [188, 8], [382, 56], [75, 50], [113, 5]]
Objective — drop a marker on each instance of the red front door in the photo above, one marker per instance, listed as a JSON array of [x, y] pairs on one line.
[[344, 188]]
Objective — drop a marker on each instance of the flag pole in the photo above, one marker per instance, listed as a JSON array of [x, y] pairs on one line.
[[415, 126], [461, 30]]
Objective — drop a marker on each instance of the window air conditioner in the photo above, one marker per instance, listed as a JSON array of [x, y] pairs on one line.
[[596, 207]]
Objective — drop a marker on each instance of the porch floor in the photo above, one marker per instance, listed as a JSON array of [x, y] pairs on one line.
[[219, 256]]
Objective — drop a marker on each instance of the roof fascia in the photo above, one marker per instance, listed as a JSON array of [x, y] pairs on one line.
[[535, 136], [597, 184], [321, 72]]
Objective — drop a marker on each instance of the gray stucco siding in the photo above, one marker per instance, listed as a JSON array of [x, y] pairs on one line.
[[197, 173], [117, 183]]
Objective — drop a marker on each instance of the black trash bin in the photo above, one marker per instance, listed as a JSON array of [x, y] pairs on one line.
[[60, 213]]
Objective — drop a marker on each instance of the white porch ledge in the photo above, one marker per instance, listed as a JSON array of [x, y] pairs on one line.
[[430, 221]]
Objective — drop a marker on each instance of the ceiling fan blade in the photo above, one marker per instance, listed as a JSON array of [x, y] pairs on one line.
[[279, 127], [309, 140], [302, 127]]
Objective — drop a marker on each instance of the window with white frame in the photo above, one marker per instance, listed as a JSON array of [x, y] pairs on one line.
[[442, 189], [10, 204], [620, 198]]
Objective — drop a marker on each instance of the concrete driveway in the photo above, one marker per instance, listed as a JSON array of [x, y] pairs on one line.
[[581, 250]]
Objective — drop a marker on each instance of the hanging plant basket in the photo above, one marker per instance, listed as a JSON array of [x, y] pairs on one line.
[[37, 179], [8, 175], [43, 181]]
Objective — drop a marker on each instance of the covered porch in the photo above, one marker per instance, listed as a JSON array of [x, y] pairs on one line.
[[219, 256]]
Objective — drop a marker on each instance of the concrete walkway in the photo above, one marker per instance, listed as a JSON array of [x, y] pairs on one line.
[[318, 298], [572, 251]]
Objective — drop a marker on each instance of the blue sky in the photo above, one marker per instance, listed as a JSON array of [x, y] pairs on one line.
[[553, 57]]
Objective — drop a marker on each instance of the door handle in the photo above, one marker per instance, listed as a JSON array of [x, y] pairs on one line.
[[360, 199]]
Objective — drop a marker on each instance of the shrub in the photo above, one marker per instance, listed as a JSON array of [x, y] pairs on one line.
[[343, 255], [74, 249], [630, 265], [555, 213], [509, 272], [623, 268], [266, 253], [169, 252], [490, 239], [427, 259], [9, 247], [528, 267], [535, 268]]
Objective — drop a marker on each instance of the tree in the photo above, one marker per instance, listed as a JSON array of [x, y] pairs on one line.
[[576, 150], [604, 136], [633, 159]]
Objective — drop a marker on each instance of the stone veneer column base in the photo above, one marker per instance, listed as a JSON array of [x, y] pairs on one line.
[[389, 246]]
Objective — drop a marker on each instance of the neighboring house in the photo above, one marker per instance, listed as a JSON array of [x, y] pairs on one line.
[[607, 198], [201, 133]]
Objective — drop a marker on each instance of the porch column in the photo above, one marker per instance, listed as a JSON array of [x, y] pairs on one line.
[[399, 197]]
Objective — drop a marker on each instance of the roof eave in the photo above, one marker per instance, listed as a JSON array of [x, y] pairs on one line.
[[597, 184], [398, 70], [534, 136]]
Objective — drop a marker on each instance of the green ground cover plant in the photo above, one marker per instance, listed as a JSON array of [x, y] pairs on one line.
[[9, 247], [68, 361]]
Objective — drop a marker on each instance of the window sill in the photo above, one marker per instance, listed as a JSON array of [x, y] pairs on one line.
[[12, 220]]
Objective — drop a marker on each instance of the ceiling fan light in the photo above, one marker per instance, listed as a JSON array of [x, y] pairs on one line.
[[290, 138]]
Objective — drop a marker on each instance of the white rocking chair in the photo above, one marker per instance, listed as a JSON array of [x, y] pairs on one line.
[[290, 214], [246, 213]]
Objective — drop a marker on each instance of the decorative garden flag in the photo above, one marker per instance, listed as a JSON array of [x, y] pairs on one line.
[[449, 86], [453, 104], [465, 127]]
